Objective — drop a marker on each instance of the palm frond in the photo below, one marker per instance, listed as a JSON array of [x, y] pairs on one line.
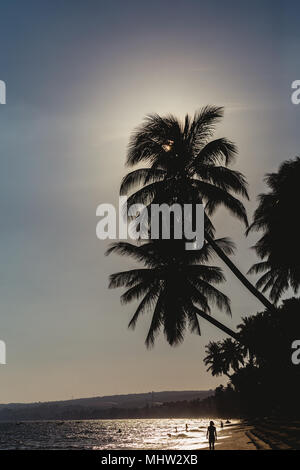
[[214, 197], [223, 177], [140, 177], [135, 292], [193, 320], [215, 296], [156, 322], [203, 125], [218, 152], [259, 267], [130, 278], [145, 304], [143, 253], [209, 273]]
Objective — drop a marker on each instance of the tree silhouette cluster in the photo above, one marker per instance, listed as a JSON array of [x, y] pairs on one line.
[[265, 382], [183, 165], [180, 162]]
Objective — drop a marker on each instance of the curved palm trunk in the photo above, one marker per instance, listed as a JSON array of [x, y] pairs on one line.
[[238, 273], [218, 324], [226, 330]]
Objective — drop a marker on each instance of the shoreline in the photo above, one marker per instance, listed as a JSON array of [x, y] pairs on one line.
[[238, 437]]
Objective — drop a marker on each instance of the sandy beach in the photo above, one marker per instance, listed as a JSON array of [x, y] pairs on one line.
[[239, 437], [265, 434]]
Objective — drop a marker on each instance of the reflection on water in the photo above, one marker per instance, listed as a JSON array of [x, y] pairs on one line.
[[104, 434]]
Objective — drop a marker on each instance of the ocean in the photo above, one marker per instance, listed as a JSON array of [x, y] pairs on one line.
[[106, 434]]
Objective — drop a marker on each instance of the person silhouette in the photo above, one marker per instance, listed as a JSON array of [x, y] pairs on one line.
[[211, 434], [221, 424], [186, 427]]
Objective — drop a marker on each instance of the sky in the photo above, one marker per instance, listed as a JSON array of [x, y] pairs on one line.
[[80, 76]]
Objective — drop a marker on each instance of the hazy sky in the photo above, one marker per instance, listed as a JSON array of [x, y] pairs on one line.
[[80, 76]]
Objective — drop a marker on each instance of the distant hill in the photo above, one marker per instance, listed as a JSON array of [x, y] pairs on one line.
[[96, 407]]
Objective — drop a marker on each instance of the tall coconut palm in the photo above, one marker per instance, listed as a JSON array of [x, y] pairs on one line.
[[185, 166], [173, 285], [276, 215]]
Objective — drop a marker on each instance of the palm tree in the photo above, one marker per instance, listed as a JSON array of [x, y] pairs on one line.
[[222, 356], [233, 354], [214, 359], [185, 166], [173, 285], [279, 246], [249, 332]]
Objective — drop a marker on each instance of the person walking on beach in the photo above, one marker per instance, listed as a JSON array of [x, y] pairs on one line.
[[211, 435]]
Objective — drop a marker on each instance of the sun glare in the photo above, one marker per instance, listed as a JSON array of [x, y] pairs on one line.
[[168, 146]]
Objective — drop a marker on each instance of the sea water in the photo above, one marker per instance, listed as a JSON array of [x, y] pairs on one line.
[[107, 434]]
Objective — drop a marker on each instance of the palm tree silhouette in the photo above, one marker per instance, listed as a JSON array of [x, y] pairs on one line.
[[214, 359], [279, 245], [173, 285], [187, 167], [222, 356], [233, 354]]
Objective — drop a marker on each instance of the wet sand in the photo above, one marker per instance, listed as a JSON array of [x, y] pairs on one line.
[[238, 437]]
